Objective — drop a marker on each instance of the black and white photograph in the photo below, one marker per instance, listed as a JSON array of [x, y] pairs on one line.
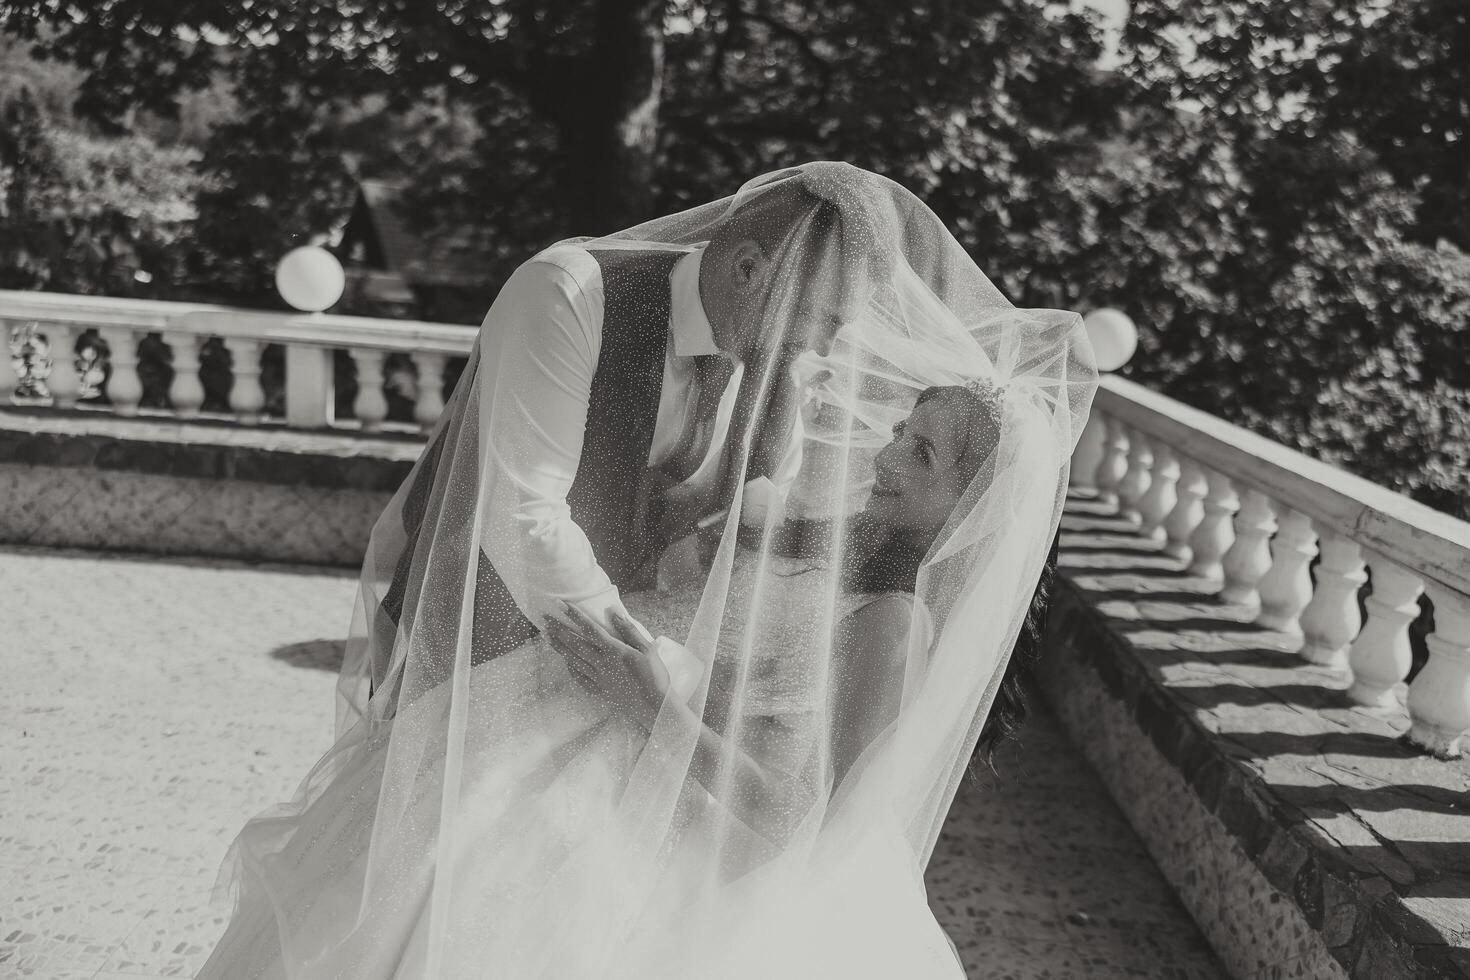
[[735, 490]]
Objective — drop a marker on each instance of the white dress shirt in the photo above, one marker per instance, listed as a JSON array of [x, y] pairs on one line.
[[539, 347]]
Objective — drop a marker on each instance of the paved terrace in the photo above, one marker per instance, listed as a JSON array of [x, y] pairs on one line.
[[153, 704]]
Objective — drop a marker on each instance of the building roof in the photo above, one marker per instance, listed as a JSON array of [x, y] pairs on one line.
[[451, 256]]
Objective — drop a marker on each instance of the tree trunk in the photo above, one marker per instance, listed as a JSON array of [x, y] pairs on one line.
[[609, 128]]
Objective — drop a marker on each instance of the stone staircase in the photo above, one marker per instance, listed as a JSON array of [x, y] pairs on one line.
[[1301, 834]]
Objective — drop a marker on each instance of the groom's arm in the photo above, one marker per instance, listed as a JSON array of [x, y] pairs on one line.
[[539, 349]]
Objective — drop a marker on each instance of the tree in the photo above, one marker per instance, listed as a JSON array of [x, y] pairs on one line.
[[89, 215], [1398, 78], [1269, 214], [984, 110], [586, 115], [1328, 317], [590, 68], [1392, 74]]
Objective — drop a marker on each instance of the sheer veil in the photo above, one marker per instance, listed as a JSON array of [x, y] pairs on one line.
[[455, 753]]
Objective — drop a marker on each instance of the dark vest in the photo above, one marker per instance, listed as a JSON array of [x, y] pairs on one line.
[[606, 497]]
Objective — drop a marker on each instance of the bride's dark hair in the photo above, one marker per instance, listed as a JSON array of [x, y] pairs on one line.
[[882, 559]]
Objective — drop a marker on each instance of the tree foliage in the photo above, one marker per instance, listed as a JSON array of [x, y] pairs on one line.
[[1334, 314], [991, 98], [1274, 191], [83, 214]]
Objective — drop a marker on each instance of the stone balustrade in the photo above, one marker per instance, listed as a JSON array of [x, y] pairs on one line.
[[309, 341], [1252, 515], [1294, 538]]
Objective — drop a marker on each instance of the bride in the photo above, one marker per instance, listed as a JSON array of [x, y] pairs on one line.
[[761, 798], [920, 477]]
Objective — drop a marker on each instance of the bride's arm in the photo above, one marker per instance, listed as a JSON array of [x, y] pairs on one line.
[[869, 651], [867, 678], [625, 670], [759, 793]]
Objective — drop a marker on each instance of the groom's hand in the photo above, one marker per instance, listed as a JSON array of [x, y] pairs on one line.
[[622, 669]]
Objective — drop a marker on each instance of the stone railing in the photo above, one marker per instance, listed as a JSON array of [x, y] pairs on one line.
[[1252, 515], [1233, 506], [309, 341]]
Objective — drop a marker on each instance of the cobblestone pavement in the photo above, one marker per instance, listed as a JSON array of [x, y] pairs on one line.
[[153, 705]]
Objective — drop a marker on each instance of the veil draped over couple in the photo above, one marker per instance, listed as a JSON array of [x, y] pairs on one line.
[[669, 655]]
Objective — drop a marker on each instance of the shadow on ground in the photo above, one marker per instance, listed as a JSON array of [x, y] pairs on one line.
[[1372, 802], [312, 654]]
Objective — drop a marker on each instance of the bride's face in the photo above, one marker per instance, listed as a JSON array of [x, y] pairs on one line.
[[920, 475]]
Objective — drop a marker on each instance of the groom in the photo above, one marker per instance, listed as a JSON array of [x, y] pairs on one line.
[[621, 396]]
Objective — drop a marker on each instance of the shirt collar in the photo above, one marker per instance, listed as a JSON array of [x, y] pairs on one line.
[[687, 320]]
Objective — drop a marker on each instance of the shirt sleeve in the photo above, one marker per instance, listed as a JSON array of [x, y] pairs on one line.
[[539, 348]]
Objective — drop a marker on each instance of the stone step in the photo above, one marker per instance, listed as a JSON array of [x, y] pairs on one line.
[[1037, 874], [1302, 835]]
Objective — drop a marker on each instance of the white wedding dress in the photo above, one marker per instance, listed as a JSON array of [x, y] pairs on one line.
[[552, 788], [481, 815]]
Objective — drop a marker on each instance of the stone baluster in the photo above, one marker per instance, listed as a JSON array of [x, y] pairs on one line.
[[1189, 509], [429, 404], [1439, 697], [1089, 453], [310, 389], [370, 406], [1162, 495], [64, 383], [9, 380], [185, 392], [1331, 620], [1381, 656], [1250, 556], [1286, 588], [247, 397], [1215, 534], [124, 387], [1136, 480], [1114, 465]]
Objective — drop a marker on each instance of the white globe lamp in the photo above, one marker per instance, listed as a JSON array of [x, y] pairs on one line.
[[1113, 335], [310, 278]]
